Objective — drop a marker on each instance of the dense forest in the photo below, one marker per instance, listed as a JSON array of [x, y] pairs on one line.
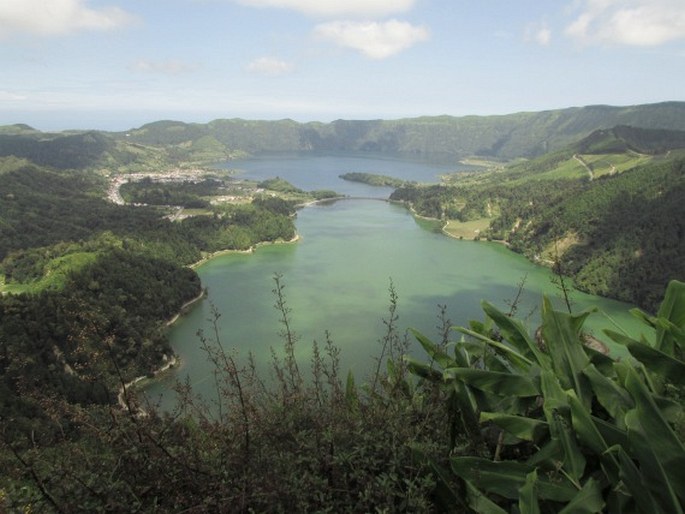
[[618, 234], [187, 194], [372, 179], [98, 279], [494, 419]]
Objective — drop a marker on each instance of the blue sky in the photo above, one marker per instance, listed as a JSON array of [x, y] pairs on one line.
[[116, 64]]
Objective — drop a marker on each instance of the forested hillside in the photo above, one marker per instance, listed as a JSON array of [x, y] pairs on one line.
[[494, 419], [502, 137], [505, 137], [79, 150], [97, 282], [608, 210]]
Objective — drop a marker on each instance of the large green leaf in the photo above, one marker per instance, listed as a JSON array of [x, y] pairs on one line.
[[423, 370], [507, 477], [613, 398], [654, 443], [554, 396], [602, 362], [619, 338], [588, 434], [547, 456], [528, 497], [573, 460], [669, 322], [528, 429], [671, 409], [517, 359], [503, 384], [464, 407], [589, 500], [663, 484], [481, 503], [495, 361], [656, 361], [632, 483], [673, 309], [611, 433], [561, 332], [514, 331], [435, 352]]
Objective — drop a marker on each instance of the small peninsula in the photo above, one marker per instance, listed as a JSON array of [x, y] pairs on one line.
[[373, 179]]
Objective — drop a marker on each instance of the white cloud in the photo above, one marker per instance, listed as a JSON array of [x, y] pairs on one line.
[[269, 66], [327, 8], [376, 40], [170, 67], [629, 22], [8, 96], [57, 17], [540, 34]]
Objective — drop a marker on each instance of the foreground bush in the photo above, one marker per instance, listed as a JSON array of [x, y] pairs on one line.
[[556, 426], [499, 421], [323, 444]]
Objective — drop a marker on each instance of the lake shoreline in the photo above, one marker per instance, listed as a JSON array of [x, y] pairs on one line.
[[123, 398], [249, 250], [174, 360], [411, 209], [170, 362], [184, 308]]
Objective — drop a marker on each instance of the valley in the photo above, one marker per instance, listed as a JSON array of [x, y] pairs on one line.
[[322, 344]]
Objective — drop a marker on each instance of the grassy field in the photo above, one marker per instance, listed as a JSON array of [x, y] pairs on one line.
[[55, 274], [466, 229], [600, 164], [609, 164]]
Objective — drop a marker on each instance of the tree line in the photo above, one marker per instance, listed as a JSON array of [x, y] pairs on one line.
[[627, 229], [100, 282]]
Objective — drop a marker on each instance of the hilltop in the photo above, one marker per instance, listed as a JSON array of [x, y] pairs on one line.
[[504, 137]]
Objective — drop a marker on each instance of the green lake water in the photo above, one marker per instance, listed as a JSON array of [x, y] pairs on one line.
[[337, 278]]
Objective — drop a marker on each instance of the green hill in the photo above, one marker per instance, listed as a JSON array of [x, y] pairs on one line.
[[80, 150], [71, 151], [612, 217], [502, 137], [624, 138], [505, 137], [17, 129]]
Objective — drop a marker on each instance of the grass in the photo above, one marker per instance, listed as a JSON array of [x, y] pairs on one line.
[[609, 164], [466, 229], [482, 162], [601, 164], [11, 163], [197, 212], [55, 274]]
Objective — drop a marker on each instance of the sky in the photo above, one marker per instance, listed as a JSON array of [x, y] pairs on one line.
[[117, 64]]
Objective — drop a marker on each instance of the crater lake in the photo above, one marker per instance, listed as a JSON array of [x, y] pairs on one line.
[[337, 276]]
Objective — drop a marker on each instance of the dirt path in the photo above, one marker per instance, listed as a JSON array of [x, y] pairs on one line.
[[585, 165]]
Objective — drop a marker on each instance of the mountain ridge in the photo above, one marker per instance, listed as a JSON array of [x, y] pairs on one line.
[[499, 137]]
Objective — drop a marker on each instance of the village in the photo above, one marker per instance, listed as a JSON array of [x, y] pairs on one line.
[[240, 191]]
